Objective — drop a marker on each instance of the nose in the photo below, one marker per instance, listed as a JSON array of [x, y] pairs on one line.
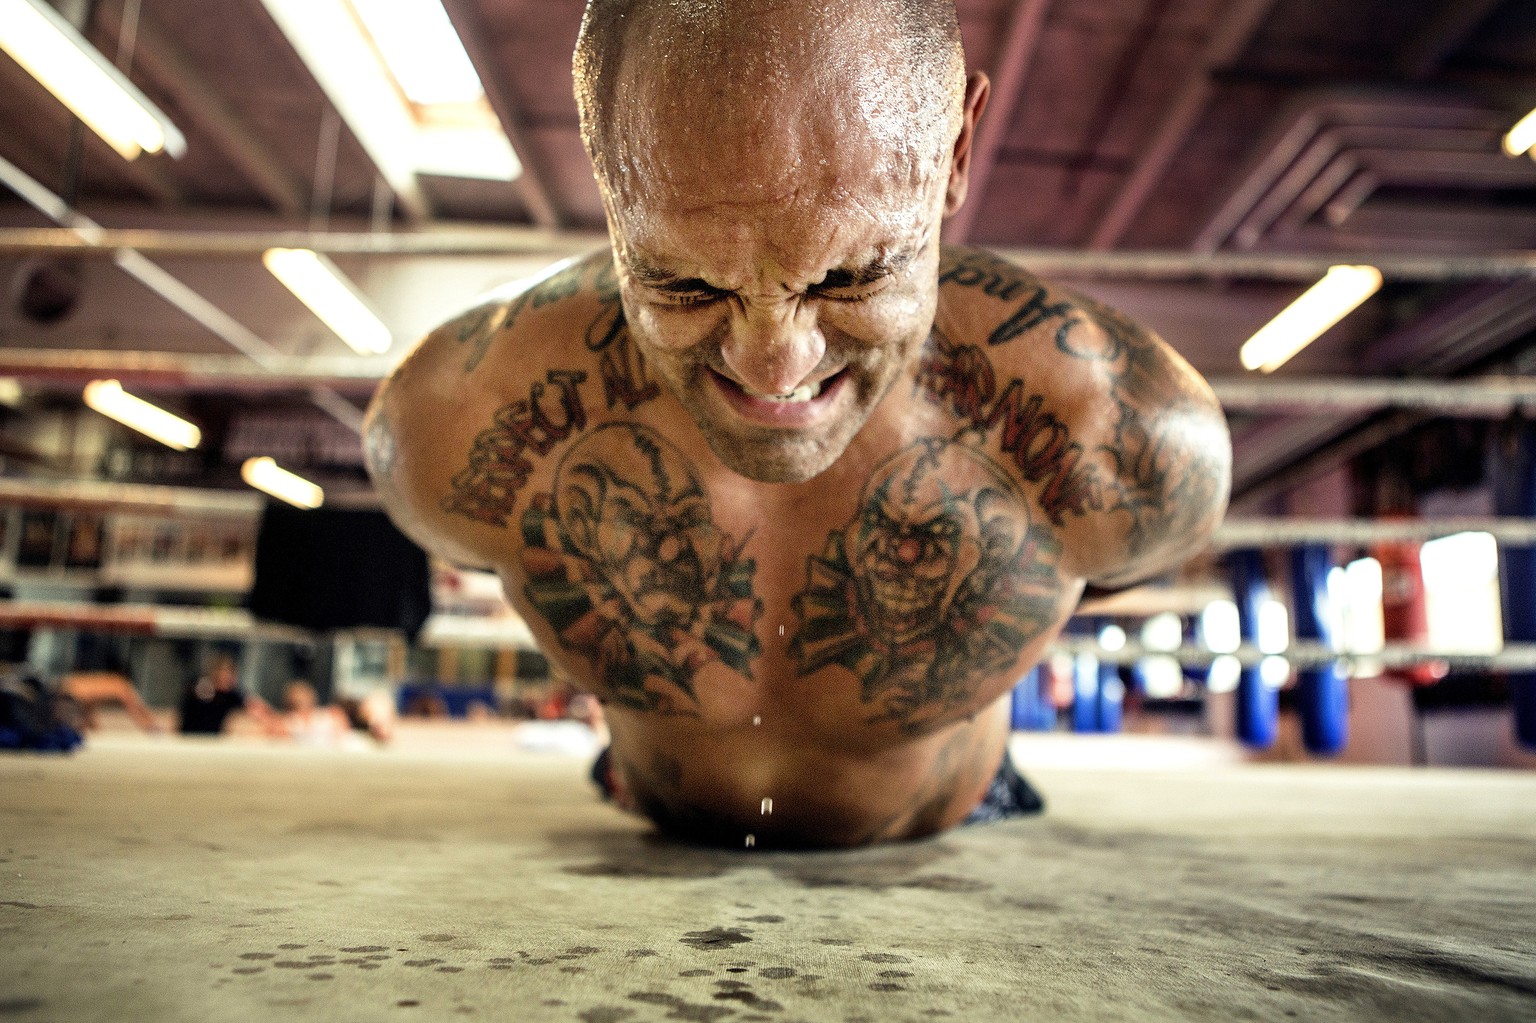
[[773, 345]]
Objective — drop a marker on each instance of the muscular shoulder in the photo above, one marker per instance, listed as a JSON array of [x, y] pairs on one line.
[[455, 431], [1121, 439]]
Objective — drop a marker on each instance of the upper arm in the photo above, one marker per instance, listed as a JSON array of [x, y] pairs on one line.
[[1163, 441]]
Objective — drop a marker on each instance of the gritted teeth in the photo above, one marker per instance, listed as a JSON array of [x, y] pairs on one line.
[[803, 393]]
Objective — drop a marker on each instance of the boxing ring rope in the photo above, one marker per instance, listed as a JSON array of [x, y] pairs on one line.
[[1289, 532], [1303, 654]]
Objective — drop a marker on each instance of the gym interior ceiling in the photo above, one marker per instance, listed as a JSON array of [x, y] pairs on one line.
[[1251, 143]]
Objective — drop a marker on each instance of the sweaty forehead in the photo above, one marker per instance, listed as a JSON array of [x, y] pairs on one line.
[[767, 99]]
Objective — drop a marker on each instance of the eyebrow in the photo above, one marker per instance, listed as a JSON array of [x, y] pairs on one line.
[[838, 279]]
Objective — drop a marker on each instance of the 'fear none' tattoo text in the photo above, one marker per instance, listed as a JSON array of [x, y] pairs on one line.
[[625, 562]]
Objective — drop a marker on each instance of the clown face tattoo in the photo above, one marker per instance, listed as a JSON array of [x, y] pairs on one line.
[[625, 562], [938, 581]]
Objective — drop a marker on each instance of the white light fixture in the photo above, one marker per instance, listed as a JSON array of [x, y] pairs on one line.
[[375, 92], [422, 50], [109, 398], [1339, 293], [267, 476], [316, 282], [51, 50], [1522, 137]]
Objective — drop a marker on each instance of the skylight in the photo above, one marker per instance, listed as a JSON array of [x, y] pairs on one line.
[[422, 50]]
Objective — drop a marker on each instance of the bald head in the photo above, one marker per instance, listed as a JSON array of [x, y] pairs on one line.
[[773, 84]]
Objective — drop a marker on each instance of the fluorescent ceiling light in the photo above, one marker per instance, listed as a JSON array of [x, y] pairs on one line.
[[1522, 137], [318, 284], [421, 49], [109, 398], [374, 95], [1339, 293], [58, 56], [267, 476]]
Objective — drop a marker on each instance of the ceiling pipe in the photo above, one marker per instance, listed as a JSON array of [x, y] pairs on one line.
[[168, 287], [1151, 265]]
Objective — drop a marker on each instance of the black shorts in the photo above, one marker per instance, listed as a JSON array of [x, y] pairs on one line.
[[1009, 795]]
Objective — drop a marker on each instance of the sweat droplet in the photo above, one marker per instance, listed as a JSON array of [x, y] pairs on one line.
[[781, 630], [767, 807], [751, 841], [757, 720]]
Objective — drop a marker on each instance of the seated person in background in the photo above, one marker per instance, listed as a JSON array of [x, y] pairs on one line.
[[795, 490], [94, 689], [209, 701], [305, 720]]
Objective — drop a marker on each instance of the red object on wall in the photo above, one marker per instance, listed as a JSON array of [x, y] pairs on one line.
[[1404, 609]]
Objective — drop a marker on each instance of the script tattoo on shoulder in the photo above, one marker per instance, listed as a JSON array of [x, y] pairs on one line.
[[1035, 440], [498, 466], [938, 581], [1165, 479], [625, 562]]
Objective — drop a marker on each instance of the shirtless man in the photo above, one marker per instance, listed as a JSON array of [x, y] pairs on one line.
[[796, 492]]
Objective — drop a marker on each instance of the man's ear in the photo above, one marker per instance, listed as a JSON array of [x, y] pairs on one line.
[[977, 88]]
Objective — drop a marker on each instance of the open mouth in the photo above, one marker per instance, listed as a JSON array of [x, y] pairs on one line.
[[802, 407]]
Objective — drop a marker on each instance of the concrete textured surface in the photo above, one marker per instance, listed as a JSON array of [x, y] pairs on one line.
[[175, 880]]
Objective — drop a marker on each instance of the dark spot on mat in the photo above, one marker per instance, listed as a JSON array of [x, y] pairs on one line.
[[423, 962], [407, 1003], [1032, 905], [714, 938], [13, 1006], [450, 969], [293, 964], [263, 956], [365, 948], [835, 941], [319, 976], [247, 971], [883, 957], [19, 905], [378, 958], [236, 927], [937, 1012], [697, 973], [766, 918], [178, 916], [683, 1010], [582, 950], [573, 969], [749, 999], [735, 969], [886, 987], [269, 911], [501, 966], [641, 953], [501, 959], [538, 962], [291, 947], [894, 974], [553, 1003], [439, 938], [777, 973], [605, 1014], [369, 966]]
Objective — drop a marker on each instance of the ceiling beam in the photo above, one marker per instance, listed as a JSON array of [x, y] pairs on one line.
[[1226, 44], [476, 37], [1026, 24], [178, 75]]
